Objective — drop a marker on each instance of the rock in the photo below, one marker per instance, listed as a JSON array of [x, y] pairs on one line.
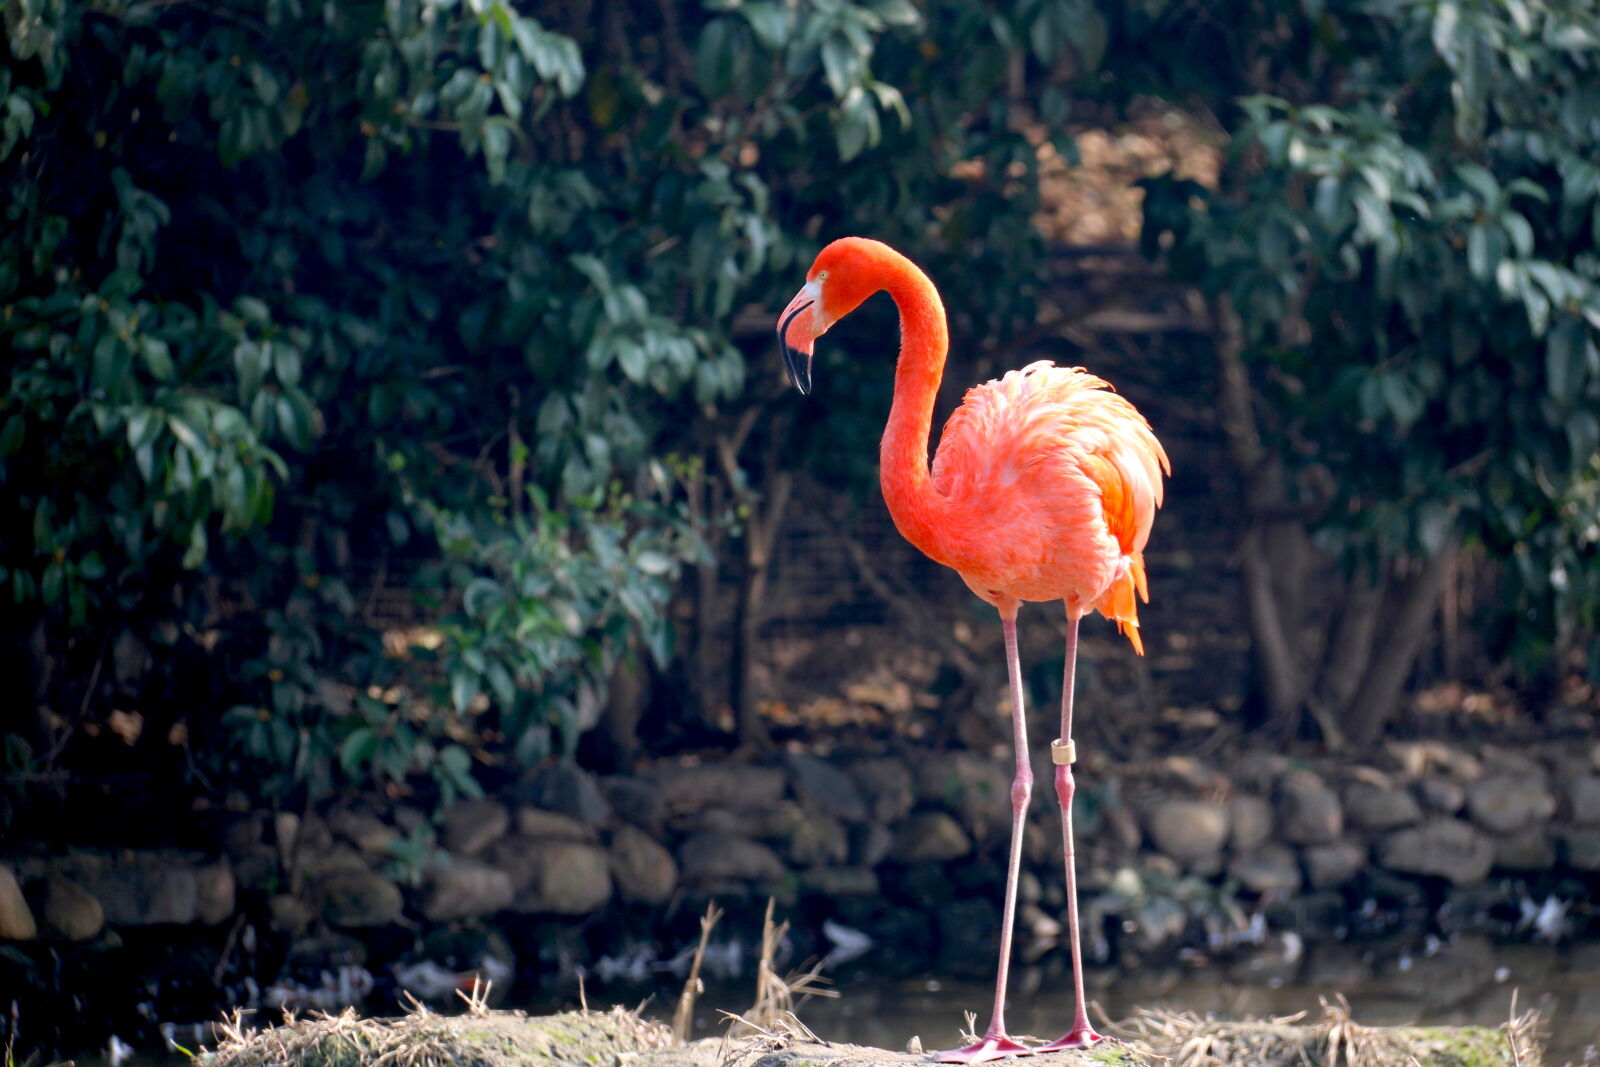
[[1257, 770], [309, 836], [465, 888], [929, 837], [289, 914], [835, 882], [142, 888], [1188, 830], [818, 840], [548, 826], [635, 801], [368, 833], [870, 844], [471, 826], [689, 787], [16, 918], [1120, 827], [257, 874], [778, 820], [1530, 849], [642, 869], [412, 821], [1503, 803], [1330, 866], [1580, 848], [66, 910], [887, 788], [1583, 799], [1308, 811], [555, 877], [355, 896], [711, 857], [1271, 869], [1417, 758], [566, 789], [976, 788], [1375, 808], [245, 837], [1249, 823], [214, 893], [1191, 775], [337, 858], [1447, 848], [823, 787], [1440, 794]]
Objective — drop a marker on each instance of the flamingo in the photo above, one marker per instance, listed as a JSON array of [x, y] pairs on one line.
[[1044, 487]]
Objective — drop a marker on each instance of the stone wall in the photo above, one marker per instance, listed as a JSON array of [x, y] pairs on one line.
[[906, 847]]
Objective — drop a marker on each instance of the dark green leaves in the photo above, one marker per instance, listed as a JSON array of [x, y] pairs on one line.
[[1417, 296]]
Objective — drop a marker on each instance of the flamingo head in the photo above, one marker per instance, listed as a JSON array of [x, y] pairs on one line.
[[839, 280]]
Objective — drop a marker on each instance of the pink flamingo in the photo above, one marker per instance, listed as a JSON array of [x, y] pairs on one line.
[[1044, 487]]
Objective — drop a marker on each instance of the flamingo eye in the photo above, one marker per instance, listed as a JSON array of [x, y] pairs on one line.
[[822, 276]]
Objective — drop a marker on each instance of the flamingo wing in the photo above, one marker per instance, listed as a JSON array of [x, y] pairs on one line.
[[1067, 475]]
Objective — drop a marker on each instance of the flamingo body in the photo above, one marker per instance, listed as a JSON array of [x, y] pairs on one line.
[[1044, 487], [1053, 482]]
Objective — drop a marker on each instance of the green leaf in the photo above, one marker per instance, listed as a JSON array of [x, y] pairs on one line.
[[1564, 360], [157, 358], [841, 64], [769, 19], [250, 362], [480, 595], [355, 754], [253, 310], [50, 585], [502, 685], [496, 147], [195, 554], [12, 434], [285, 362], [652, 562], [464, 688]]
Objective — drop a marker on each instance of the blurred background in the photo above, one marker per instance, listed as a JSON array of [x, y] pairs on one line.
[[411, 552]]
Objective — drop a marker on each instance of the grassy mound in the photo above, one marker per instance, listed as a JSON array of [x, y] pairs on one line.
[[618, 1038]]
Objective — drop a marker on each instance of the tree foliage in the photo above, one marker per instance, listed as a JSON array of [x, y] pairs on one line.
[[303, 299], [1404, 253], [304, 304]]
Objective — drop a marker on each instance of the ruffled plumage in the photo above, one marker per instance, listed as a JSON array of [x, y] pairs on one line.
[[1052, 481]]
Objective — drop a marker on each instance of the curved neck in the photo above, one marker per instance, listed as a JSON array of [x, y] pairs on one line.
[[914, 503]]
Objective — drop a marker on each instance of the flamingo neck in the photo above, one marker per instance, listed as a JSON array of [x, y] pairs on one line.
[[914, 504]]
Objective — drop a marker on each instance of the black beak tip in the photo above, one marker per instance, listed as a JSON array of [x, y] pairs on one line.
[[798, 364]]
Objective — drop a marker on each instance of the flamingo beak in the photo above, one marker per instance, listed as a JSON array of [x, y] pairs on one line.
[[797, 330]]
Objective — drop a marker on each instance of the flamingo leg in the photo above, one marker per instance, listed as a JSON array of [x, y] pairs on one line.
[[1082, 1035], [996, 1043]]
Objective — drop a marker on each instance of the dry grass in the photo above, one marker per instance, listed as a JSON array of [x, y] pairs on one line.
[[421, 1038], [770, 1024], [1184, 1039], [683, 1018]]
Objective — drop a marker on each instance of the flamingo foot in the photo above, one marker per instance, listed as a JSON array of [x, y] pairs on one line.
[[989, 1047], [1081, 1036]]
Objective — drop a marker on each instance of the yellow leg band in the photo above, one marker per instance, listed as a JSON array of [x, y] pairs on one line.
[[1063, 752]]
